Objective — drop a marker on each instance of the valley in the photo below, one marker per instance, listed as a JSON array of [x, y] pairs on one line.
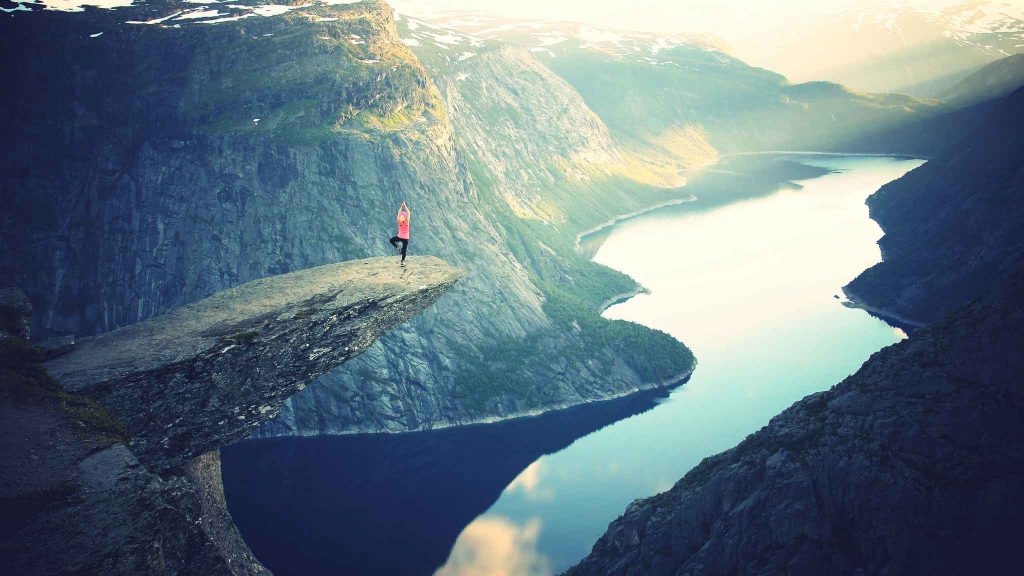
[[657, 257]]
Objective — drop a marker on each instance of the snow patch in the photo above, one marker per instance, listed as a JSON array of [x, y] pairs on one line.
[[274, 9], [550, 39], [228, 19], [410, 42], [660, 44], [594, 35], [75, 5], [512, 26], [450, 39], [197, 14], [154, 21], [466, 56]]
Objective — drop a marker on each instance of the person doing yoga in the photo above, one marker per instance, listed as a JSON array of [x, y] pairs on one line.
[[403, 232]]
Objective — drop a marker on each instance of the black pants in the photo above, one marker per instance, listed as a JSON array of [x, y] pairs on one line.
[[405, 244]]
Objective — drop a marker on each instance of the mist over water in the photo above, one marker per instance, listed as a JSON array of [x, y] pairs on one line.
[[750, 286]]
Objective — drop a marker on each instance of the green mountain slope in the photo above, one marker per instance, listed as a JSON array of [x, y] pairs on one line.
[[188, 154]]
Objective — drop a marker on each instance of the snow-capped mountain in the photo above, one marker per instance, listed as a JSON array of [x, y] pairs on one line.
[[915, 46], [548, 39], [891, 45]]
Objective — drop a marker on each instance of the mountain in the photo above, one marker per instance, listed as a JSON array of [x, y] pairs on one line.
[[448, 52], [671, 96], [910, 46], [531, 142], [914, 47], [992, 81], [952, 225], [187, 149], [914, 463]]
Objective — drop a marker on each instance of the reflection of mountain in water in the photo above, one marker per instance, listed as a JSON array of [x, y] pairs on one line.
[[389, 504], [739, 177]]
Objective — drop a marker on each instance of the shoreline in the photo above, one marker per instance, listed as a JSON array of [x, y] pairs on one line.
[[622, 217], [891, 318], [820, 153], [666, 384], [622, 297]]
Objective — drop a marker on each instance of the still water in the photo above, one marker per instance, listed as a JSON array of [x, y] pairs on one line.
[[747, 280]]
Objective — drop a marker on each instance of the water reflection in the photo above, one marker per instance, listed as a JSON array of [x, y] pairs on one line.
[[736, 178], [748, 276], [749, 279], [497, 546], [528, 483], [395, 504]]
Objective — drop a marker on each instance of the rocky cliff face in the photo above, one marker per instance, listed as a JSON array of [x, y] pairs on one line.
[[208, 373], [83, 493], [680, 97], [913, 465], [182, 154], [952, 226], [543, 167]]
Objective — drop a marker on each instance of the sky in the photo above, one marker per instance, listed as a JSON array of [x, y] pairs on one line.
[[856, 42], [728, 18], [848, 41]]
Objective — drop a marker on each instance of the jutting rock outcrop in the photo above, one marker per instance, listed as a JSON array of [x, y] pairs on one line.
[[116, 469], [208, 373]]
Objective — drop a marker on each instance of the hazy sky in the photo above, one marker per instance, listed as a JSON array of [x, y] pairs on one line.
[[727, 18], [856, 42], [803, 39]]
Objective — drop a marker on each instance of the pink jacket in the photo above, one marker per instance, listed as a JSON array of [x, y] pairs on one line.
[[403, 224]]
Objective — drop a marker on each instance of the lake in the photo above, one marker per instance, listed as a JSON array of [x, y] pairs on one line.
[[748, 276]]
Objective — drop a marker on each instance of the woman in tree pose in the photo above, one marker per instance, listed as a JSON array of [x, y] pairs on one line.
[[403, 232]]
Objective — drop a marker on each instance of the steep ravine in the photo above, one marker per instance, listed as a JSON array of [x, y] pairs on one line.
[[113, 468]]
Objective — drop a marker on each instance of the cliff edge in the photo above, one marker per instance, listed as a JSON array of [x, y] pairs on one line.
[[209, 373], [111, 463], [913, 465], [952, 226]]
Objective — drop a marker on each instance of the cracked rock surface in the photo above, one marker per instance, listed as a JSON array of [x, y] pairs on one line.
[[76, 501]]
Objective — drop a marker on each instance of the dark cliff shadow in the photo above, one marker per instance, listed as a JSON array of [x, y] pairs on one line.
[[389, 503]]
